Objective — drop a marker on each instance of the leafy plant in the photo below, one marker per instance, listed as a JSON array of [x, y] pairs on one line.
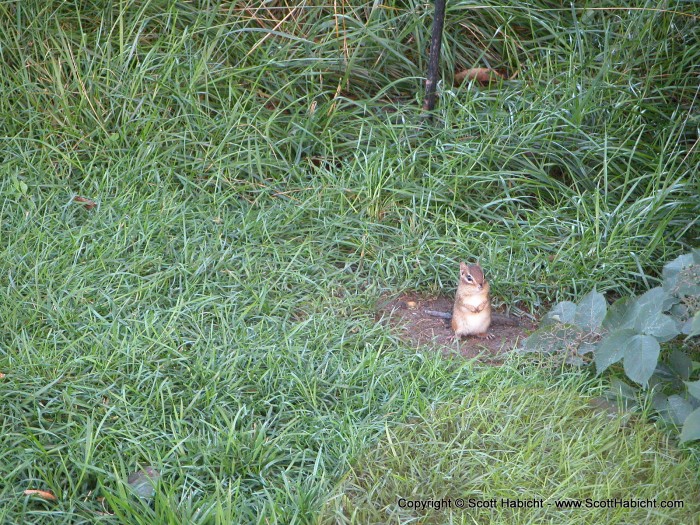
[[632, 330]]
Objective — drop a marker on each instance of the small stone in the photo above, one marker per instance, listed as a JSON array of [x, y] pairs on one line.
[[143, 482]]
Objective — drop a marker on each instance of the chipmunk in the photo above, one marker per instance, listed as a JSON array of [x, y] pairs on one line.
[[471, 314]]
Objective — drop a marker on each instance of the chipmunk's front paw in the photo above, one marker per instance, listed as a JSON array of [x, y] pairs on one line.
[[486, 335]]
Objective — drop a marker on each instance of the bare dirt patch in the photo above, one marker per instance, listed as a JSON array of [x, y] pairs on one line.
[[406, 314]]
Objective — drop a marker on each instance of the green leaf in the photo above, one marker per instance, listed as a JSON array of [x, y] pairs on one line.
[[649, 305], [681, 364], [679, 311], [586, 348], [680, 276], [691, 427], [672, 269], [687, 283], [663, 375], [590, 312], [551, 339], [623, 390], [694, 389], [612, 348], [673, 409], [660, 326], [563, 313], [692, 327], [679, 409], [670, 301], [659, 402], [621, 314], [688, 288], [536, 341], [641, 357]]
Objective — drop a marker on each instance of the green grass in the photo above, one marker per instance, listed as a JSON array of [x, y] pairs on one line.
[[518, 439], [261, 180]]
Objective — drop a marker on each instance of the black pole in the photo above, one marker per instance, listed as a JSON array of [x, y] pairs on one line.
[[434, 58]]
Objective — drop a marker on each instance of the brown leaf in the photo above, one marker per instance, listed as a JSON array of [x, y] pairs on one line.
[[88, 203], [43, 494], [483, 75]]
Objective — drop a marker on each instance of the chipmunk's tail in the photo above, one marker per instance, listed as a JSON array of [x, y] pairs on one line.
[[505, 320], [435, 313]]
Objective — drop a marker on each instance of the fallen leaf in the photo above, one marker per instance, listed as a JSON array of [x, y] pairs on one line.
[[88, 203], [143, 481], [43, 494], [483, 75]]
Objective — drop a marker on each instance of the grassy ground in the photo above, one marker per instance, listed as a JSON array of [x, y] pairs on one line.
[[260, 180]]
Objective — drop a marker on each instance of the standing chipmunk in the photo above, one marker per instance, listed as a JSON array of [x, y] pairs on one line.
[[471, 314]]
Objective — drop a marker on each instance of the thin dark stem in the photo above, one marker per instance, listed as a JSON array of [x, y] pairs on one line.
[[434, 59]]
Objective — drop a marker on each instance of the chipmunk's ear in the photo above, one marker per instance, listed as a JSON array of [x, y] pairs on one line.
[[463, 268]]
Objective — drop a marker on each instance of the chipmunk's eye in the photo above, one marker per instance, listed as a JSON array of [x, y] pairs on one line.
[[470, 278]]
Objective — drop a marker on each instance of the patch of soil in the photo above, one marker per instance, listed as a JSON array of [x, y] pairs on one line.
[[406, 314]]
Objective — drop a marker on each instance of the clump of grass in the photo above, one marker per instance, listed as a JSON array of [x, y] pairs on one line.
[[522, 441]]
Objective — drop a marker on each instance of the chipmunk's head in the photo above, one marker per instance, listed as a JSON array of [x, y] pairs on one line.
[[473, 276]]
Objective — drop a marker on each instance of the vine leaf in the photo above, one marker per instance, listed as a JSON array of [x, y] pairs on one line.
[[661, 326], [694, 389], [691, 427], [551, 339], [640, 357], [650, 304], [621, 314], [624, 391], [692, 327], [679, 409], [564, 313], [672, 269], [673, 409], [591, 311], [681, 364], [612, 348]]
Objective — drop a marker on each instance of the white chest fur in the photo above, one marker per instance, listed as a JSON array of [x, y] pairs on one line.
[[471, 316]]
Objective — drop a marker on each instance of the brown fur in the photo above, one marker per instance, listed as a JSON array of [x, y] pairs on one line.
[[471, 314]]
